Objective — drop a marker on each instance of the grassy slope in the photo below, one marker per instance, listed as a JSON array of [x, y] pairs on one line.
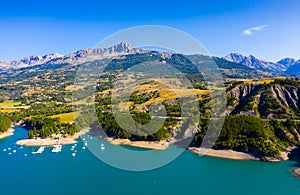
[[67, 117]]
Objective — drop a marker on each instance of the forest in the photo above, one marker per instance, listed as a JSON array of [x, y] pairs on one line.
[[5, 123], [253, 135], [45, 127]]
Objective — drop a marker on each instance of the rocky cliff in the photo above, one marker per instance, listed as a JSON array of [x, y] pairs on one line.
[[272, 100], [74, 58]]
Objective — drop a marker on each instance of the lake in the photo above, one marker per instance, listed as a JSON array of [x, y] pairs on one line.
[[62, 173]]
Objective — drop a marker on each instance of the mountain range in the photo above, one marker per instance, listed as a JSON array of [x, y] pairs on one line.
[[73, 58], [286, 66]]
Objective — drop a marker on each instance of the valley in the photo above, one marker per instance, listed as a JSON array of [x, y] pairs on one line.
[[261, 117]]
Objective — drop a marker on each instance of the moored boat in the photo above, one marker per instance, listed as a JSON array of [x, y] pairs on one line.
[[40, 150]]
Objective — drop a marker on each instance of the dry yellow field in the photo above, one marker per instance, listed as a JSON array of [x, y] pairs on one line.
[[66, 117], [8, 110], [125, 105], [170, 94], [9, 103], [255, 81], [11, 106], [264, 81]]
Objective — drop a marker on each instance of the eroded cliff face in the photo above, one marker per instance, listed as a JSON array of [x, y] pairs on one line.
[[264, 100], [242, 91], [287, 95]]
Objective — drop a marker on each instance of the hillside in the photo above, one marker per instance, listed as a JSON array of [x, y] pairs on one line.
[[278, 99], [255, 63], [294, 70], [284, 66], [44, 92]]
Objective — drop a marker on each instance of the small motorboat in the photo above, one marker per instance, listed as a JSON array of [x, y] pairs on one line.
[[102, 147]]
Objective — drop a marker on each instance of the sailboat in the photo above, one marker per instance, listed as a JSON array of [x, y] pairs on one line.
[[57, 147], [40, 150]]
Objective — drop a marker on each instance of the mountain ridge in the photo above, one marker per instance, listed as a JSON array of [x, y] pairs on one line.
[[284, 66], [73, 58]]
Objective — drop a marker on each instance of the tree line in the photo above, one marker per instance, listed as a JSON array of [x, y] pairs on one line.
[[5, 123], [45, 127], [252, 134]]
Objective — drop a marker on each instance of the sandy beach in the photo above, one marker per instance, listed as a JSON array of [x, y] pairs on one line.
[[52, 141], [229, 154], [158, 145], [8, 133]]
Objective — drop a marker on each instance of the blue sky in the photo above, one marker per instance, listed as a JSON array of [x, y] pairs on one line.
[[267, 29]]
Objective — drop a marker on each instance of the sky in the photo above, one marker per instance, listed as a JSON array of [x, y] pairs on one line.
[[267, 29]]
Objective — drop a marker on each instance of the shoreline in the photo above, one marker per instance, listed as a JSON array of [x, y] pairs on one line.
[[7, 133], [52, 141], [157, 145], [227, 154], [296, 172], [154, 145]]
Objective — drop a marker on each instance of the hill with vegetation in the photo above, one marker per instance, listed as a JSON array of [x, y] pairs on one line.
[[269, 99], [262, 115], [5, 123]]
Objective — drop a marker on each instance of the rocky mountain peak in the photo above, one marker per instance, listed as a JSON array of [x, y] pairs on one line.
[[288, 61], [74, 58], [255, 63], [122, 47]]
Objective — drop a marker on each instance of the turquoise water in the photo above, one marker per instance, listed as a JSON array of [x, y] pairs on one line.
[[61, 173]]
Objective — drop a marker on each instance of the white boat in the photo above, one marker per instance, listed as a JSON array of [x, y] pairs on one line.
[[73, 154], [102, 147], [40, 150], [14, 151], [57, 148]]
